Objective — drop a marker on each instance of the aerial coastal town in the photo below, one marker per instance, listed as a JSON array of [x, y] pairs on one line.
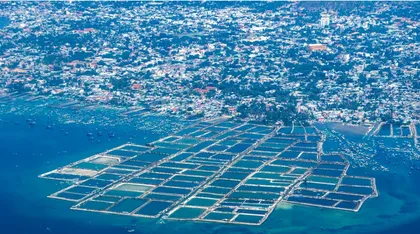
[[263, 61], [210, 116]]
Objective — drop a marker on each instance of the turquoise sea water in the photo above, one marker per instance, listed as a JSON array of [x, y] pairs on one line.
[[28, 151]]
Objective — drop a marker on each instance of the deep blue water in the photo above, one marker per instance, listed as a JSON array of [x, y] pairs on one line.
[[28, 151]]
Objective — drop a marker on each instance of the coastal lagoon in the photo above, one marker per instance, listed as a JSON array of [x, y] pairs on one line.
[[61, 136]]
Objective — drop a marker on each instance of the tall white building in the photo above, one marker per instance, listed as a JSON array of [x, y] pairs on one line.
[[325, 19]]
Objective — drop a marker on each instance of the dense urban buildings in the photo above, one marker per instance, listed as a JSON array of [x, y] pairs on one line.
[[348, 62]]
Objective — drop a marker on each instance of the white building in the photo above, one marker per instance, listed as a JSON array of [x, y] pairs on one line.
[[325, 19]]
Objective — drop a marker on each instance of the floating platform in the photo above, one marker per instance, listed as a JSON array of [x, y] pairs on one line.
[[215, 171]]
